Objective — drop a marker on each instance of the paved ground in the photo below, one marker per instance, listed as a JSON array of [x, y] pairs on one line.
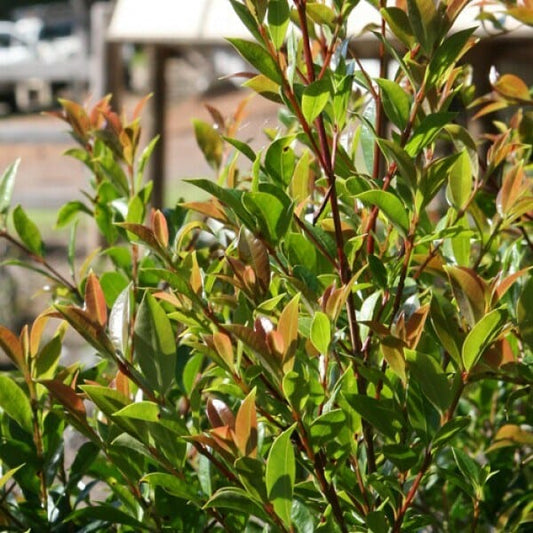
[[46, 178]]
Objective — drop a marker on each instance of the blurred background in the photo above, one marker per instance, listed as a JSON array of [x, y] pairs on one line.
[[174, 49]]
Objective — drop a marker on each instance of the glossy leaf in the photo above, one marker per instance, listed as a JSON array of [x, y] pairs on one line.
[[28, 231], [390, 205], [428, 130], [379, 413], [15, 403], [8, 475], [315, 98], [278, 21], [12, 347], [209, 141], [326, 427], [481, 336], [392, 350], [280, 160], [449, 430], [396, 103], [512, 86], [155, 347], [272, 213], [7, 184], [280, 475], [321, 332], [238, 500], [267, 89], [460, 184], [95, 301], [173, 485], [288, 328], [470, 292], [424, 21], [432, 380], [399, 24], [258, 57], [246, 426]]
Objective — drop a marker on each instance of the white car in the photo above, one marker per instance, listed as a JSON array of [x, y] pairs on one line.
[[14, 48]]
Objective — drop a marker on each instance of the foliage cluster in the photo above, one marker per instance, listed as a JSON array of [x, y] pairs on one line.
[[338, 339]]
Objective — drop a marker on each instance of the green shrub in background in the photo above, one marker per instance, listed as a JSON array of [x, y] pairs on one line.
[[338, 339]]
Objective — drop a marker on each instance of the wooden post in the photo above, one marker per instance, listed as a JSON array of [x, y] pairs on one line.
[[158, 55]]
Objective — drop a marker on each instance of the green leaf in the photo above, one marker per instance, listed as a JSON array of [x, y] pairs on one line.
[[180, 488], [481, 337], [68, 211], [399, 24], [470, 469], [280, 475], [273, 214], [391, 206], [7, 184], [247, 18], [460, 181], [280, 160], [394, 153], [321, 332], [258, 57], [28, 231], [155, 345], [210, 142], [251, 474], [380, 413], [448, 431], [447, 54], [396, 102], [8, 475], [424, 21], [315, 98], [427, 131], [326, 427], [237, 500], [432, 380], [278, 21], [321, 14], [242, 147], [105, 513], [15, 403], [401, 456]]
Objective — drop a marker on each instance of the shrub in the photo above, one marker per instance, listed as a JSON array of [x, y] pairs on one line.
[[336, 340]]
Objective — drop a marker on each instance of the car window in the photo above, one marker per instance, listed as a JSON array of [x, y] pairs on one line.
[[5, 40]]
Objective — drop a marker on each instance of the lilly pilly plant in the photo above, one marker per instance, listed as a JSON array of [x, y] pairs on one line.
[[337, 339]]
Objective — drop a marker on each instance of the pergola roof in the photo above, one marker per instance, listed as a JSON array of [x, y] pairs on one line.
[[202, 22]]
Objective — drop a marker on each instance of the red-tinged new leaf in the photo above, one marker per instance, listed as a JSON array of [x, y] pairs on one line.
[[511, 86], [12, 347], [88, 328], [470, 291], [392, 350], [246, 426], [415, 326], [224, 347], [211, 208], [254, 252], [36, 332], [511, 189], [219, 414], [505, 284], [95, 300], [66, 397], [160, 228]]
